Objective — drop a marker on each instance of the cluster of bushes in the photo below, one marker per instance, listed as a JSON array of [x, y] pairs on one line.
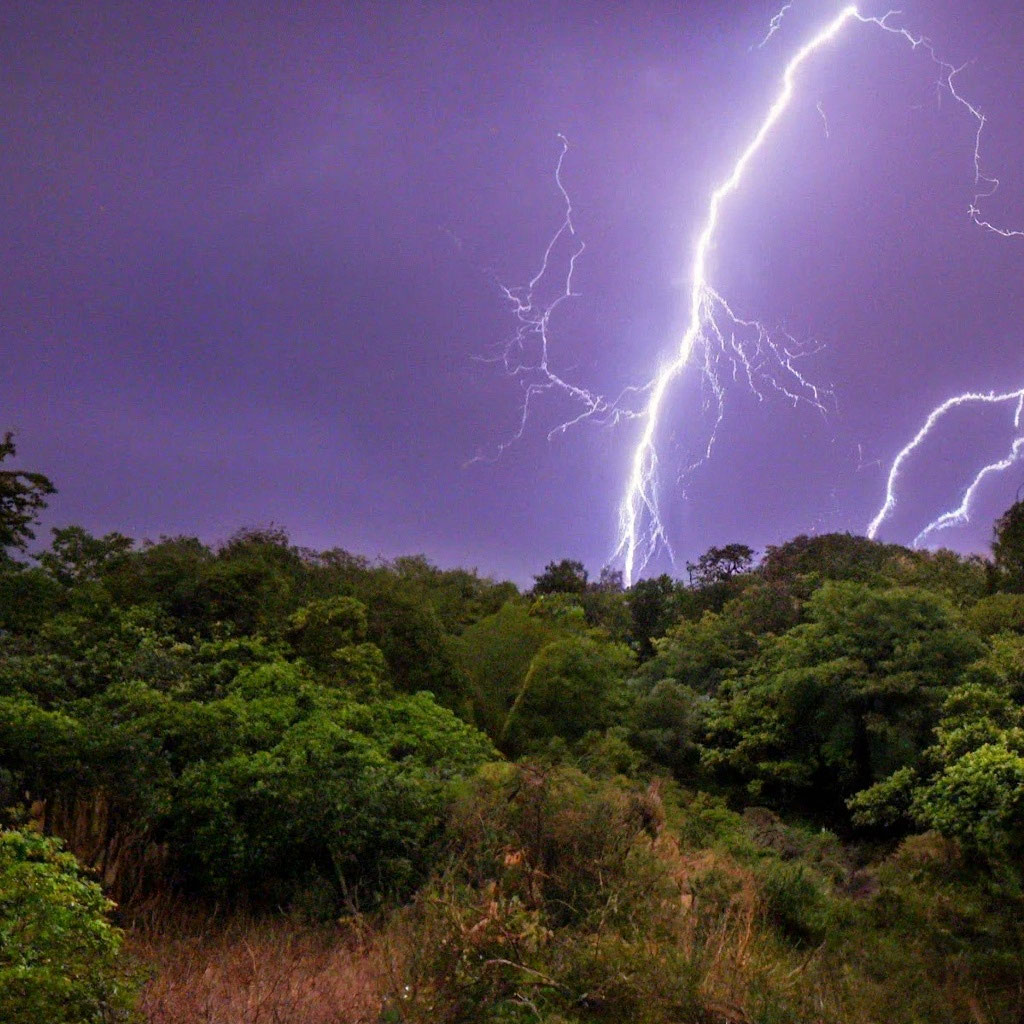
[[788, 789], [59, 955]]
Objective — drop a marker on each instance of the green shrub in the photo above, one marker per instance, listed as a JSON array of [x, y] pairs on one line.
[[794, 902], [60, 957], [561, 905], [997, 613], [573, 686], [351, 795]]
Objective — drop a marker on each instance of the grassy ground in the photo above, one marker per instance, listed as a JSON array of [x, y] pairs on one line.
[[275, 971]]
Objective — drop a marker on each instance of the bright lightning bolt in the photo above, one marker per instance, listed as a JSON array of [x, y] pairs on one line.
[[641, 531], [640, 527], [748, 350], [774, 25], [715, 330], [961, 514]]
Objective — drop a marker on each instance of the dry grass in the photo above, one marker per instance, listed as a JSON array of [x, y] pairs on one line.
[[261, 972]]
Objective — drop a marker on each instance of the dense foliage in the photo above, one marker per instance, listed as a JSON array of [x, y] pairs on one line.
[[59, 958], [786, 789]]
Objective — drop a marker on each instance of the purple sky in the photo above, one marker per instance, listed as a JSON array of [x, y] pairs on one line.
[[249, 253]]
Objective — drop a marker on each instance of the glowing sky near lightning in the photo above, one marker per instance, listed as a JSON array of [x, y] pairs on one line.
[[249, 259]]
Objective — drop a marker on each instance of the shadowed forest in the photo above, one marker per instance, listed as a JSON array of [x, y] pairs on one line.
[[253, 783]]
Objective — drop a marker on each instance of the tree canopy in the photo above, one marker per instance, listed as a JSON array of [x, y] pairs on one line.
[[574, 799]]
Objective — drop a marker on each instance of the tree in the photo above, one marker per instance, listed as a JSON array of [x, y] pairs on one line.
[[496, 653], [1008, 548], [350, 795], [574, 685], [458, 596], [610, 580], [419, 652], [762, 607], [666, 726], [997, 613], [167, 573], [698, 655], [76, 556], [251, 585], [28, 596], [970, 783], [318, 630], [979, 799], [564, 577], [830, 556], [842, 701], [605, 606], [22, 497], [717, 565], [653, 607]]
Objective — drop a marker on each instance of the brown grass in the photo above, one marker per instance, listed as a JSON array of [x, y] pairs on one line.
[[261, 972]]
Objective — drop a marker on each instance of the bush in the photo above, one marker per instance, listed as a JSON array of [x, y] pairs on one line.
[[573, 686], [60, 957], [562, 904], [979, 799], [794, 903], [997, 613], [351, 795]]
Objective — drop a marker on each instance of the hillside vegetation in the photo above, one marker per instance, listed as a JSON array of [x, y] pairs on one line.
[[255, 783]]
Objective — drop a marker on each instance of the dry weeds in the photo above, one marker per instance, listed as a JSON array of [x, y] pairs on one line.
[[261, 972]]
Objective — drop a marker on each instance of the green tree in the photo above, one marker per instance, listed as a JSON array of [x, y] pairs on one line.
[[969, 785], [667, 725], [979, 799], [830, 556], [699, 655], [167, 573], [961, 579], [573, 686], [1008, 548], [252, 583], [718, 565], [605, 606], [420, 653], [22, 497], [350, 796], [496, 653], [653, 607], [840, 702], [320, 629], [564, 577], [997, 613], [77, 557], [28, 597], [459, 597]]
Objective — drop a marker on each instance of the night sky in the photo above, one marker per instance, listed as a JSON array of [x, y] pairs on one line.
[[251, 254]]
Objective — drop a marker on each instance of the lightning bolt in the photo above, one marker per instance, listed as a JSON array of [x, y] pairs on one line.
[[774, 25], [961, 514], [641, 531], [824, 119], [714, 329], [526, 356], [733, 346]]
